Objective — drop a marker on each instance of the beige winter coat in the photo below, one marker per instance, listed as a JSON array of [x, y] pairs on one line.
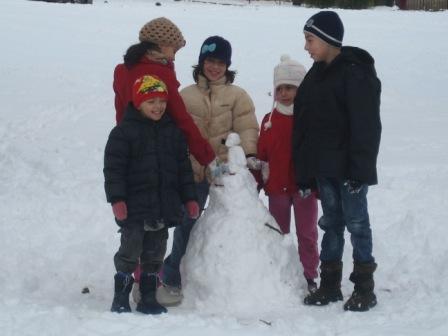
[[217, 109]]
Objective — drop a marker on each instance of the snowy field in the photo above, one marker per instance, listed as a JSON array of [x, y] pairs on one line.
[[57, 233]]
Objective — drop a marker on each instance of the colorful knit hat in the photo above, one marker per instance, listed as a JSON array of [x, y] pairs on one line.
[[327, 26], [216, 47], [148, 87], [162, 31]]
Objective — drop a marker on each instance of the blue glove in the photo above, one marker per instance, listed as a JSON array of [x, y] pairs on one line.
[[217, 169], [353, 186]]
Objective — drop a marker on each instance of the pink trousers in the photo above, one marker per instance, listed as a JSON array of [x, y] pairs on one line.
[[305, 215]]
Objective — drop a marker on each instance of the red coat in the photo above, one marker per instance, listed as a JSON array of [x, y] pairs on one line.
[[125, 77], [275, 147]]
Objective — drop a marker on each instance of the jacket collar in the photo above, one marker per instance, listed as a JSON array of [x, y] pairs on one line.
[[160, 62], [351, 55], [205, 84]]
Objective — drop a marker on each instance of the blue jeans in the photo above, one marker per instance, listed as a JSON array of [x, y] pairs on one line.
[[342, 209], [171, 266]]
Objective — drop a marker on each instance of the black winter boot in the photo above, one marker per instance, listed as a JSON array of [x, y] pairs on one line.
[[330, 285], [363, 298], [148, 303], [123, 286]]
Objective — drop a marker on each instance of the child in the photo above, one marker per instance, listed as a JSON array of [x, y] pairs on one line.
[[160, 39], [148, 176], [218, 108], [336, 139], [274, 147]]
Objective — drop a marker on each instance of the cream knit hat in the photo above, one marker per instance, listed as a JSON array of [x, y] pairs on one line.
[[288, 72], [162, 31]]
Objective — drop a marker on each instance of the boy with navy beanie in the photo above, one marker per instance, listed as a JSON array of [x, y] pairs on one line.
[[336, 137]]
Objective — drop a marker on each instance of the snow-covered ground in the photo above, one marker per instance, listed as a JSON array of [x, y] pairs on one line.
[[57, 234]]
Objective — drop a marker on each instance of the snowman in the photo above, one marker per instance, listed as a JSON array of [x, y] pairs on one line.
[[237, 261]]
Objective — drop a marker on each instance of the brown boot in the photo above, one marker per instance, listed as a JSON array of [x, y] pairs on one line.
[[363, 298], [330, 285]]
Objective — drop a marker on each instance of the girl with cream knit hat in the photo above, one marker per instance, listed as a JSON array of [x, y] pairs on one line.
[[275, 152]]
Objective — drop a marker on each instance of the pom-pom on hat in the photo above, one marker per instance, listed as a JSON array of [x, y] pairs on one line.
[[216, 47], [289, 72], [327, 26], [148, 87], [162, 31]]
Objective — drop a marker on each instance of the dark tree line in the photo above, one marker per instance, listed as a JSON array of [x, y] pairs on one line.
[[352, 4]]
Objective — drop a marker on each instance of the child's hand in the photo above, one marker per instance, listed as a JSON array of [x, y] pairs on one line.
[[120, 210], [253, 163], [215, 169], [192, 209], [264, 171], [304, 190]]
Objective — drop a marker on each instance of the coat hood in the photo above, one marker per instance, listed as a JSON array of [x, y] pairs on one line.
[[358, 56]]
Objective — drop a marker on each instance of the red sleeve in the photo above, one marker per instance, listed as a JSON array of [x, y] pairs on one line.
[[262, 145], [120, 95], [199, 147]]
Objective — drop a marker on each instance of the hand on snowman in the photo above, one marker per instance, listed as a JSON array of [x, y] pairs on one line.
[[253, 163], [216, 169], [264, 171]]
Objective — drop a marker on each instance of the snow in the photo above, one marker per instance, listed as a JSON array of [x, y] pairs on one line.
[[57, 234]]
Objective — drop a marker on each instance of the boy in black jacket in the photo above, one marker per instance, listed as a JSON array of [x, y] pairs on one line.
[[148, 178], [336, 139]]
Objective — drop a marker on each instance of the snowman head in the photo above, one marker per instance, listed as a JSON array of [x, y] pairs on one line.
[[233, 139]]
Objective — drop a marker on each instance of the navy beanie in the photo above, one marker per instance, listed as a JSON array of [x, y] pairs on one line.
[[216, 47], [327, 26]]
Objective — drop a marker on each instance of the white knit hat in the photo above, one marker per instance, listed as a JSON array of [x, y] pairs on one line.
[[289, 72]]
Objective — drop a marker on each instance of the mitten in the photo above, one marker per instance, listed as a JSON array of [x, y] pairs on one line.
[[353, 186], [215, 169], [120, 210], [253, 163], [192, 209], [264, 171]]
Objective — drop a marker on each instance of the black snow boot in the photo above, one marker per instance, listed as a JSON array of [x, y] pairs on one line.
[[363, 298], [123, 286], [330, 285], [148, 303]]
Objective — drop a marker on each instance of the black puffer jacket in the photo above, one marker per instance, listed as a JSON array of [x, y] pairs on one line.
[[146, 164], [337, 125]]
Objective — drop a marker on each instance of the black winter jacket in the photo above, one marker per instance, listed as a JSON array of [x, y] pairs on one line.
[[147, 165], [337, 125]]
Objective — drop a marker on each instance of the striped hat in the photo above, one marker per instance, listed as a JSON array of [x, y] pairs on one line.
[[148, 87], [327, 26]]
